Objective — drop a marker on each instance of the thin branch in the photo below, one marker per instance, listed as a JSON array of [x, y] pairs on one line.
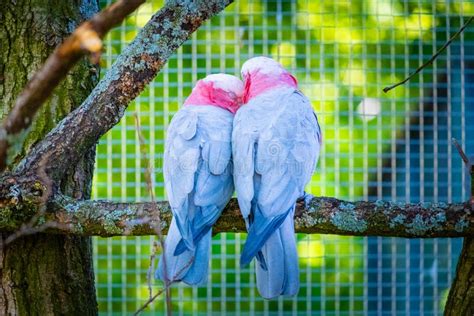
[[85, 39], [322, 216], [150, 300], [469, 165], [461, 152], [432, 59], [151, 269], [33, 228], [134, 69], [151, 192]]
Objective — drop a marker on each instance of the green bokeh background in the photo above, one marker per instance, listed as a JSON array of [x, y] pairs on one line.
[[343, 53]]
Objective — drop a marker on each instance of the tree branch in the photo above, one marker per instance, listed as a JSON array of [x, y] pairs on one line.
[[322, 216], [86, 38], [134, 69], [432, 59]]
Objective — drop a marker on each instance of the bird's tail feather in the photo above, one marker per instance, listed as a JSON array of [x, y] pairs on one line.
[[281, 276], [260, 230], [191, 266], [288, 239], [201, 228], [199, 268]]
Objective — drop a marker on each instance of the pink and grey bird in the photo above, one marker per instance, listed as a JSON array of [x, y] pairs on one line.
[[198, 175], [275, 145]]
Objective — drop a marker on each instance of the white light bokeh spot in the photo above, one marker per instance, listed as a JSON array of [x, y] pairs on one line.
[[369, 108]]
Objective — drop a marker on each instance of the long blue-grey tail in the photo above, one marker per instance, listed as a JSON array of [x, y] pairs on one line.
[[281, 276], [190, 266]]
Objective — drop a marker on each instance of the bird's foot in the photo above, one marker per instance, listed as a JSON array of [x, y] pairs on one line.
[[303, 202]]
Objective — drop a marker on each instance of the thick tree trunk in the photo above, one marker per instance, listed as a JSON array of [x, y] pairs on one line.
[[46, 274], [461, 295]]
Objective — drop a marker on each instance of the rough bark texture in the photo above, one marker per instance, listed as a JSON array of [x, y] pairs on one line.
[[30, 30], [134, 69], [52, 274], [322, 215], [46, 274], [85, 39], [461, 295]]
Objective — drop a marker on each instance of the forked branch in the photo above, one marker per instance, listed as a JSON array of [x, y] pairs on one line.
[[137, 65], [85, 39]]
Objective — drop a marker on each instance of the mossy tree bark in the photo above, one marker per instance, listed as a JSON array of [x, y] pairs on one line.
[[46, 274], [461, 295]]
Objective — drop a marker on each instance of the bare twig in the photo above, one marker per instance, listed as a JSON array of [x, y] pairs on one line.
[[32, 228], [151, 268], [461, 152], [151, 192], [85, 39], [184, 268], [432, 59], [469, 166], [150, 300]]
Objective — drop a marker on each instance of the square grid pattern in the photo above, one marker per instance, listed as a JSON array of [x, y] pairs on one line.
[[393, 146]]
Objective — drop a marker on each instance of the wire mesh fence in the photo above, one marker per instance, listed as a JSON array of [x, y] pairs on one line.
[[394, 146]]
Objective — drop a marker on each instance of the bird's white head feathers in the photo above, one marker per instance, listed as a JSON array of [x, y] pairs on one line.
[[220, 90], [226, 82], [263, 65], [262, 74]]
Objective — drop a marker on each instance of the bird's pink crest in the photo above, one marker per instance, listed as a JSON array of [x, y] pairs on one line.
[[212, 93], [262, 74]]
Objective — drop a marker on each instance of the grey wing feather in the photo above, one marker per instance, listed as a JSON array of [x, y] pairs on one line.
[[287, 155], [197, 156], [181, 161], [244, 138], [214, 182], [181, 157], [281, 140]]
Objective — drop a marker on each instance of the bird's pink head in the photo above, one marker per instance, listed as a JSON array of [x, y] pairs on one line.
[[221, 90], [261, 74]]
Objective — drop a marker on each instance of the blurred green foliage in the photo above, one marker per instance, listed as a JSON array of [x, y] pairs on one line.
[[343, 54]]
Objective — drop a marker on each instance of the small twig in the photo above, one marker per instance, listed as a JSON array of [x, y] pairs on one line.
[[150, 300], [470, 167], [85, 39], [432, 59], [151, 268], [151, 191], [186, 266], [31, 229], [461, 152]]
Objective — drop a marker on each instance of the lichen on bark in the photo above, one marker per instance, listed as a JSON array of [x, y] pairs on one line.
[[70, 142], [45, 274]]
